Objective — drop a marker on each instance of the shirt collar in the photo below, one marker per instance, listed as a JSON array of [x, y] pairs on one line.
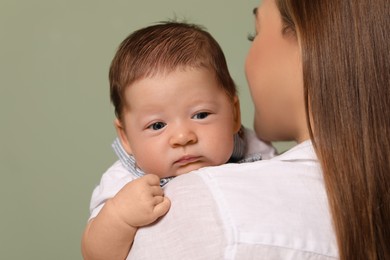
[[302, 151]]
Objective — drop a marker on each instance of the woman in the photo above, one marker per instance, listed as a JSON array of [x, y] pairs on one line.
[[319, 74], [345, 53]]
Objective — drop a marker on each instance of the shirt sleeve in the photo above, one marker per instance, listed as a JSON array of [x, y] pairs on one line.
[[110, 184]]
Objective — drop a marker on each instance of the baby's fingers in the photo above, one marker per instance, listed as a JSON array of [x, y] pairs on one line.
[[152, 179], [158, 199], [156, 191], [163, 207]]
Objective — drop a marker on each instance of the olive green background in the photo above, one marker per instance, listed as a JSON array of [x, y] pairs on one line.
[[55, 115]]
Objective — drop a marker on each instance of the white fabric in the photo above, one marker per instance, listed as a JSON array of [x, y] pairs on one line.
[[270, 209], [111, 182], [118, 176], [255, 146]]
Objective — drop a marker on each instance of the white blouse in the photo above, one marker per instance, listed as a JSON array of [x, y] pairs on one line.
[[270, 209]]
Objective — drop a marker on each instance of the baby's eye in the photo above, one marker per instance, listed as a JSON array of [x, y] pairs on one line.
[[157, 126], [201, 115]]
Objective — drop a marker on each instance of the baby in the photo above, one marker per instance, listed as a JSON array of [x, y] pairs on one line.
[[177, 110]]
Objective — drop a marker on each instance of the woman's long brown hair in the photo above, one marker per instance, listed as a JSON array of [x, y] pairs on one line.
[[346, 70]]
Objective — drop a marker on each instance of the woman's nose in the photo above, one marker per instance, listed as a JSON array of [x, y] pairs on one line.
[[183, 136]]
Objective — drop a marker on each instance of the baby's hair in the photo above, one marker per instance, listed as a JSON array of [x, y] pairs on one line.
[[163, 48]]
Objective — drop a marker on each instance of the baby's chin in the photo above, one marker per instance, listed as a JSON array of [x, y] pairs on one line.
[[188, 168]]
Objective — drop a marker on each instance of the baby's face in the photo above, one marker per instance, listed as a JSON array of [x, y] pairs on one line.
[[179, 122]]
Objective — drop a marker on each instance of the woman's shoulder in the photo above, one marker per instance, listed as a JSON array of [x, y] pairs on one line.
[[300, 159], [298, 166], [278, 203]]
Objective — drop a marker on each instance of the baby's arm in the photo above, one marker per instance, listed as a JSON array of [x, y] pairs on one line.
[[111, 233]]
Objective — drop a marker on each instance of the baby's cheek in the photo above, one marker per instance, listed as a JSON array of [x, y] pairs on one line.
[[223, 151]]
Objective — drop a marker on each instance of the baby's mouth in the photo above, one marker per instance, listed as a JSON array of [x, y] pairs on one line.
[[187, 159]]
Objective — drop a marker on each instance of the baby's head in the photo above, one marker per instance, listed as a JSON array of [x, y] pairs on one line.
[[175, 101], [161, 49]]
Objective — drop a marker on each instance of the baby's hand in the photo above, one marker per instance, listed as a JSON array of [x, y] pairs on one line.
[[141, 201]]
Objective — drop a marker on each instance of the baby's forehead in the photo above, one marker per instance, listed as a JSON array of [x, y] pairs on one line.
[[183, 82], [202, 75]]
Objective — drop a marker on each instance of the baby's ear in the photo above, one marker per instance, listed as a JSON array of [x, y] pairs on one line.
[[236, 114], [121, 132]]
